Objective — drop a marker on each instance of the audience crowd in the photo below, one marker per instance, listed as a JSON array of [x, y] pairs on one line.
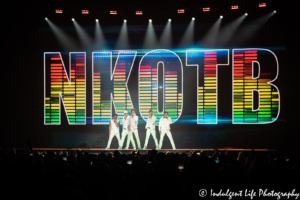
[[155, 175]]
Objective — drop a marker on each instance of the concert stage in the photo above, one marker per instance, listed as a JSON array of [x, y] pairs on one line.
[[218, 74], [102, 150]]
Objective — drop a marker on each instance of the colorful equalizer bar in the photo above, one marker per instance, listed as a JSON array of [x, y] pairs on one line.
[[245, 84], [172, 84], [207, 70], [111, 85], [59, 88]]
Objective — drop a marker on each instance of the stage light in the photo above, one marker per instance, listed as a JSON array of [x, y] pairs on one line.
[[113, 12], [165, 39], [180, 10], [100, 41], [85, 11], [84, 38], [138, 12], [247, 31], [188, 36], [58, 11], [221, 16], [150, 39], [262, 5], [235, 7], [229, 30], [46, 18], [66, 41], [246, 14], [123, 40], [125, 20], [274, 11], [206, 9], [210, 39]]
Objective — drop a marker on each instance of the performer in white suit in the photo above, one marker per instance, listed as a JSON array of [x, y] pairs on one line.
[[132, 127], [114, 130], [164, 128], [150, 127], [125, 132]]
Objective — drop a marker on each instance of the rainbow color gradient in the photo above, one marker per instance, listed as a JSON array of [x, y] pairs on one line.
[[244, 84], [71, 91], [104, 78], [207, 70], [172, 84]]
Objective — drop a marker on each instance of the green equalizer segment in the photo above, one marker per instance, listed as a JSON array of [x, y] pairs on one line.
[[207, 94], [172, 84], [67, 93], [244, 86], [104, 74], [206, 63]]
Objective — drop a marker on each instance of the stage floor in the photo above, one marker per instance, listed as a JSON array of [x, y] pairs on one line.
[[101, 150], [209, 151], [113, 149]]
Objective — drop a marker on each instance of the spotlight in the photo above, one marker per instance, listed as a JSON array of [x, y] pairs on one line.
[[246, 14], [85, 11], [221, 16], [125, 20], [46, 18], [193, 18], [73, 19], [207, 9], [274, 11], [262, 5], [180, 10], [235, 7], [169, 20], [150, 20], [58, 11], [97, 20]]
